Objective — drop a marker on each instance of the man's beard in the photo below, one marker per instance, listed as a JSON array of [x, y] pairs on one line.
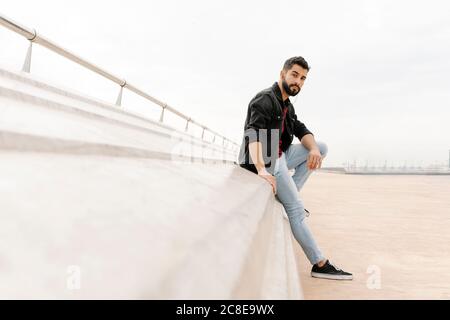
[[288, 90]]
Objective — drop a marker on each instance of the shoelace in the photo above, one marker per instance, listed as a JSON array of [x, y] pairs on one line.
[[329, 262]]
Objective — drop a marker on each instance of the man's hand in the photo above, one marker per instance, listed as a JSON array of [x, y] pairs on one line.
[[314, 160], [270, 178]]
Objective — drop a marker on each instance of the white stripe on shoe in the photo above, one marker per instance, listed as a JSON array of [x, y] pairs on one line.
[[331, 276]]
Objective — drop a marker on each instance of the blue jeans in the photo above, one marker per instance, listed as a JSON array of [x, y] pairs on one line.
[[288, 188]]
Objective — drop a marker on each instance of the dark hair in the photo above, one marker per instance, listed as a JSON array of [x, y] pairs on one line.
[[295, 60]]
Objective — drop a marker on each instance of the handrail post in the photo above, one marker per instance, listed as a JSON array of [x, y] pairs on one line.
[[187, 125], [161, 117], [27, 63], [119, 97]]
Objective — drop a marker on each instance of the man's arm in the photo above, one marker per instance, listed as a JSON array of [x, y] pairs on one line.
[[314, 160], [259, 116], [255, 150]]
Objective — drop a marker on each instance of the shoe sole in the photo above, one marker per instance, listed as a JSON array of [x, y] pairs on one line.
[[331, 276]]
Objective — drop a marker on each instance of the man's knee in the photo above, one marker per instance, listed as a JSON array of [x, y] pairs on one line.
[[323, 148], [295, 211]]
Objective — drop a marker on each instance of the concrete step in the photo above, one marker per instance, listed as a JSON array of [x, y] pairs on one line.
[[31, 107]]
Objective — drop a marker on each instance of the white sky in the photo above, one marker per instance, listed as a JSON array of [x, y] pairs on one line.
[[378, 88]]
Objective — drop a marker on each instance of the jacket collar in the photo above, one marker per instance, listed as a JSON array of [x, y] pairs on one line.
[[277, 91]]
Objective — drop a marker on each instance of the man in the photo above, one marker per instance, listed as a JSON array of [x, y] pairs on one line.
[[267, 150]]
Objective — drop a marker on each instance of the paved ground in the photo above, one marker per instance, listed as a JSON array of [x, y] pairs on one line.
[[392, 232]]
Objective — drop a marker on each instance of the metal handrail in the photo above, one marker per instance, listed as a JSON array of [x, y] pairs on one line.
[[32, 36]]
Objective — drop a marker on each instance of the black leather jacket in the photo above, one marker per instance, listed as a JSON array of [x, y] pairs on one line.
[[263, 123]]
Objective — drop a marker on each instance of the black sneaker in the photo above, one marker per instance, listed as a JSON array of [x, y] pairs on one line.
[[329, 271]]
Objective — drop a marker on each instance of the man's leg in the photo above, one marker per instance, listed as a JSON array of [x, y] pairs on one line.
[[287, 193], [296, 156]]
